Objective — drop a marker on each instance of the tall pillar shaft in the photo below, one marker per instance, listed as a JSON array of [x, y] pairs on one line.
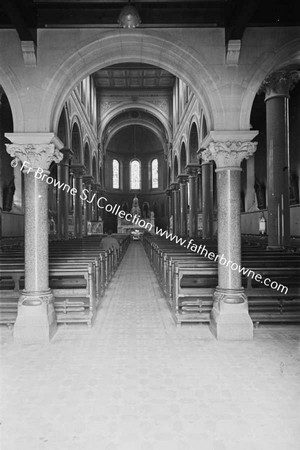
[[229, 317], [277, 87], [63, 195], [36, 319], [183, 204], [192, 170], [175, 207], [207, 201], [78, 171]]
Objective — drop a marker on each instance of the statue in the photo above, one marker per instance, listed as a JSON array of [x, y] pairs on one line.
[[260, 191], [135, 207]]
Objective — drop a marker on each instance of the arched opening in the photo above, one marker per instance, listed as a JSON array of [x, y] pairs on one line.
[[182, 158], [193, 143], [87, 159], [76, 144]]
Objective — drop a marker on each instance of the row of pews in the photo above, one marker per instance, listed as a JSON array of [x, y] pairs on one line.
[[79, 274], [188, 280]]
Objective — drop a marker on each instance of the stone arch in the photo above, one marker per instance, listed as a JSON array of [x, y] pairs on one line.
[[193, 143], [140, 106], [116, 125], [76, 142], [157, 48]]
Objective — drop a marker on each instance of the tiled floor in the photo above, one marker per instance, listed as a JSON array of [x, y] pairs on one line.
[[136, 382]]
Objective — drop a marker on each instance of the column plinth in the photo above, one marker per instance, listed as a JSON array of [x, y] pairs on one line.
[[229, 317], [36, 319]]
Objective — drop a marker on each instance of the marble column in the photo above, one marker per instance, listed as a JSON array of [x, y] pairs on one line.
[[277, 87], [207, 200], [192, 170], [63, 169], [88, 181], [182, 180], [229, 317], [36, 319], [78, 171], [175, 206]]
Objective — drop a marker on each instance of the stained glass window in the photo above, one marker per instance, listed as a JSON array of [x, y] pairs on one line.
[[135, 174], [116, 174], [154, 173]]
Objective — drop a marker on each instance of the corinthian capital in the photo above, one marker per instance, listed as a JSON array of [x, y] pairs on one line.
[[37, 155], [228, 154], [280, 83]]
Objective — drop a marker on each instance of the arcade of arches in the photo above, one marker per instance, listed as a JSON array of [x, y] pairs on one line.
[[206, 137]]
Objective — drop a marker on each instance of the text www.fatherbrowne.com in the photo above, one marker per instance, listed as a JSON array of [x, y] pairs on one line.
[[202, 250], [135, 219]]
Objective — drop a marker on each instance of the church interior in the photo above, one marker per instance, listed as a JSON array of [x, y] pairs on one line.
[[170, 129]]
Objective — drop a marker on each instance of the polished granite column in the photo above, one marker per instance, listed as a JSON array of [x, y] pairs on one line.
[[207, 200], [192, 170], [78, 171], [182, 180], [277, 87], [63, 169], [175, 206], [229, 317], [36, 319]]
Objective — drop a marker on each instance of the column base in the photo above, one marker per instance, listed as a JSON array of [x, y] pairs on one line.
[[229, 318], [36, 320]]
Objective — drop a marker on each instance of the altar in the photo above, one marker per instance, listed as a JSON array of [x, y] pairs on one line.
[[137, 222]]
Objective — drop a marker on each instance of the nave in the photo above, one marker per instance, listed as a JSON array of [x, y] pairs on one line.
[[136, 381]]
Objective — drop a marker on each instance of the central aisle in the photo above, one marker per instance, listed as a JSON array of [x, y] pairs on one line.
[[136, 382]]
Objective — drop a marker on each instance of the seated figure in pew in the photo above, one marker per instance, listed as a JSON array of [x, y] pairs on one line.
[[108, 242]]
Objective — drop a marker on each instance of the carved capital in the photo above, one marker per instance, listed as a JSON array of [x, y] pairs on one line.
[[88, 180], [182, 178], [228, 154], [96, 187], [174, 186], [280, 83], [192, 169], [78, 170], [37, 155]]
